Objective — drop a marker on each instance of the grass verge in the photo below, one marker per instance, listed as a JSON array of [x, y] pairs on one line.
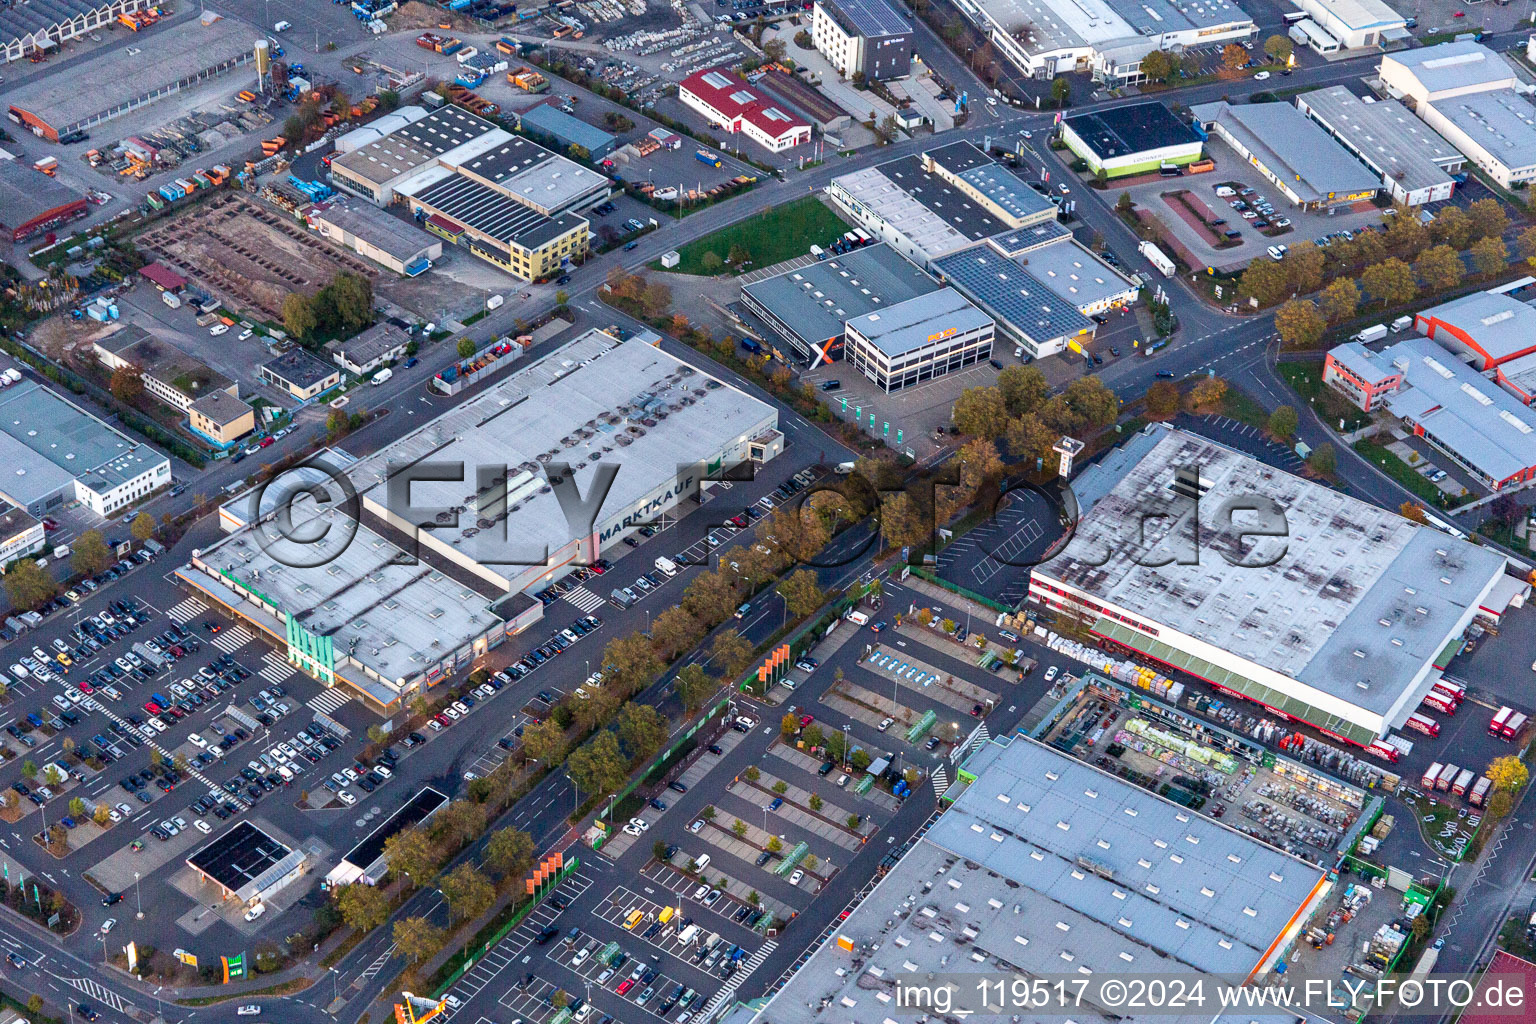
[[1400, 471], [1306, 379], [768, 238], [283, 988]]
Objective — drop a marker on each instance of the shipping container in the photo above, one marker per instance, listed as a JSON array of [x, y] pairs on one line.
[[1447, 776], [1431, 776], [1512, 726], [1496, 727], [1479, 794], [1424, 724], [1463, 782]]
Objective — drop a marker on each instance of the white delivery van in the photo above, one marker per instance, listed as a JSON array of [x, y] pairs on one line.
[[282, 26], [666, 565]]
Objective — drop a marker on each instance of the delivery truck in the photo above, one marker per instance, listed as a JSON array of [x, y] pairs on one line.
[[1431, 776], [382, 376], [1375, 332], [1424, 724]]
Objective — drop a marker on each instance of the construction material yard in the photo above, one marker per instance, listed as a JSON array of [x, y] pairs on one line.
[[247, 255]]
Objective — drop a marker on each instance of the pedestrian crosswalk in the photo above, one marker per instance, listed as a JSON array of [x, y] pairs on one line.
[[584, 599], [232, 639], [274, 669], [741, 975], [100, 993], [186, 610], [940, 780], [327, 701]]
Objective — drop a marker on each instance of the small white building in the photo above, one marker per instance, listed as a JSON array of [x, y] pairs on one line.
[[1357, 24]]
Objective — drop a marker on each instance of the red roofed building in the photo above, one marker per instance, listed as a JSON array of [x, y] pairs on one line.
[[1516, 973], [725, 97], [164, 278]]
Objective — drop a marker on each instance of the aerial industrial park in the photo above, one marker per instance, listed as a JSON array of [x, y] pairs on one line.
[[767, 511]]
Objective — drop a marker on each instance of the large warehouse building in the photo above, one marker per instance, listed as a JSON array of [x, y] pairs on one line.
[[1045, 867], [504, 198], [809, 307], [1294, 153], [1104, 38], [726, 98], [55, 452], [1338, 627], [1483, 429], [938, 202], [31, 202], [1041, 285], [40, 27], [114, 80], [1472, 96], [390, 608], [1134, 139], [1414, 162]]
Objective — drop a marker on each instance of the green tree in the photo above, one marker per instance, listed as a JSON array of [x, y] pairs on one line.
[[711, 262], [1304, 266], [1279, 48], [1390, 282], [674, 631], [753, 773], [981, 412], [816, 802], [800, 592], [544, 742], [29, 768], [629, 663], [1023, 389], [126, 384], [1489, 255], [1233, 57], [363, 907], [1299, 323], [774, 844], [739, 827], [1061, 92], [1406, 236], [28, 585], [1340, 300], [1283, 422], [412, 853], [466, 347], [458, 823], [1487, 218], [417, 939], [143, 527], [89, 554], [1209, 393], [1030, 438], [731, 652], [642, 730], [1452, 226], [598, 766], [1162, 400], [298, 315], [1440, 268], [1323, 460], [1508, 774], [781, 787], [509, 852], [1157, 66], [1525, 244], [467, 892], [77, 807], [693, 687], [788, 726], [1266, 281]]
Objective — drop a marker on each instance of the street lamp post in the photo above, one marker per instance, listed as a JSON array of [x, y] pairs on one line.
[[138, 897]]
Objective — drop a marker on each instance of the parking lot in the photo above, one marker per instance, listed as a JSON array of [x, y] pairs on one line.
[[1231, 170], [992, 559]]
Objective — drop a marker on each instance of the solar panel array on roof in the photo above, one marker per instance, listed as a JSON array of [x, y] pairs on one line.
[[239, 856], [869, 18], [481, 207], [1012, 294]]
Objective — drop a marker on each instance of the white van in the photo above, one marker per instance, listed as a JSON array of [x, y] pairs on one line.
[[666, 565], [701, 862], [282, 26]]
